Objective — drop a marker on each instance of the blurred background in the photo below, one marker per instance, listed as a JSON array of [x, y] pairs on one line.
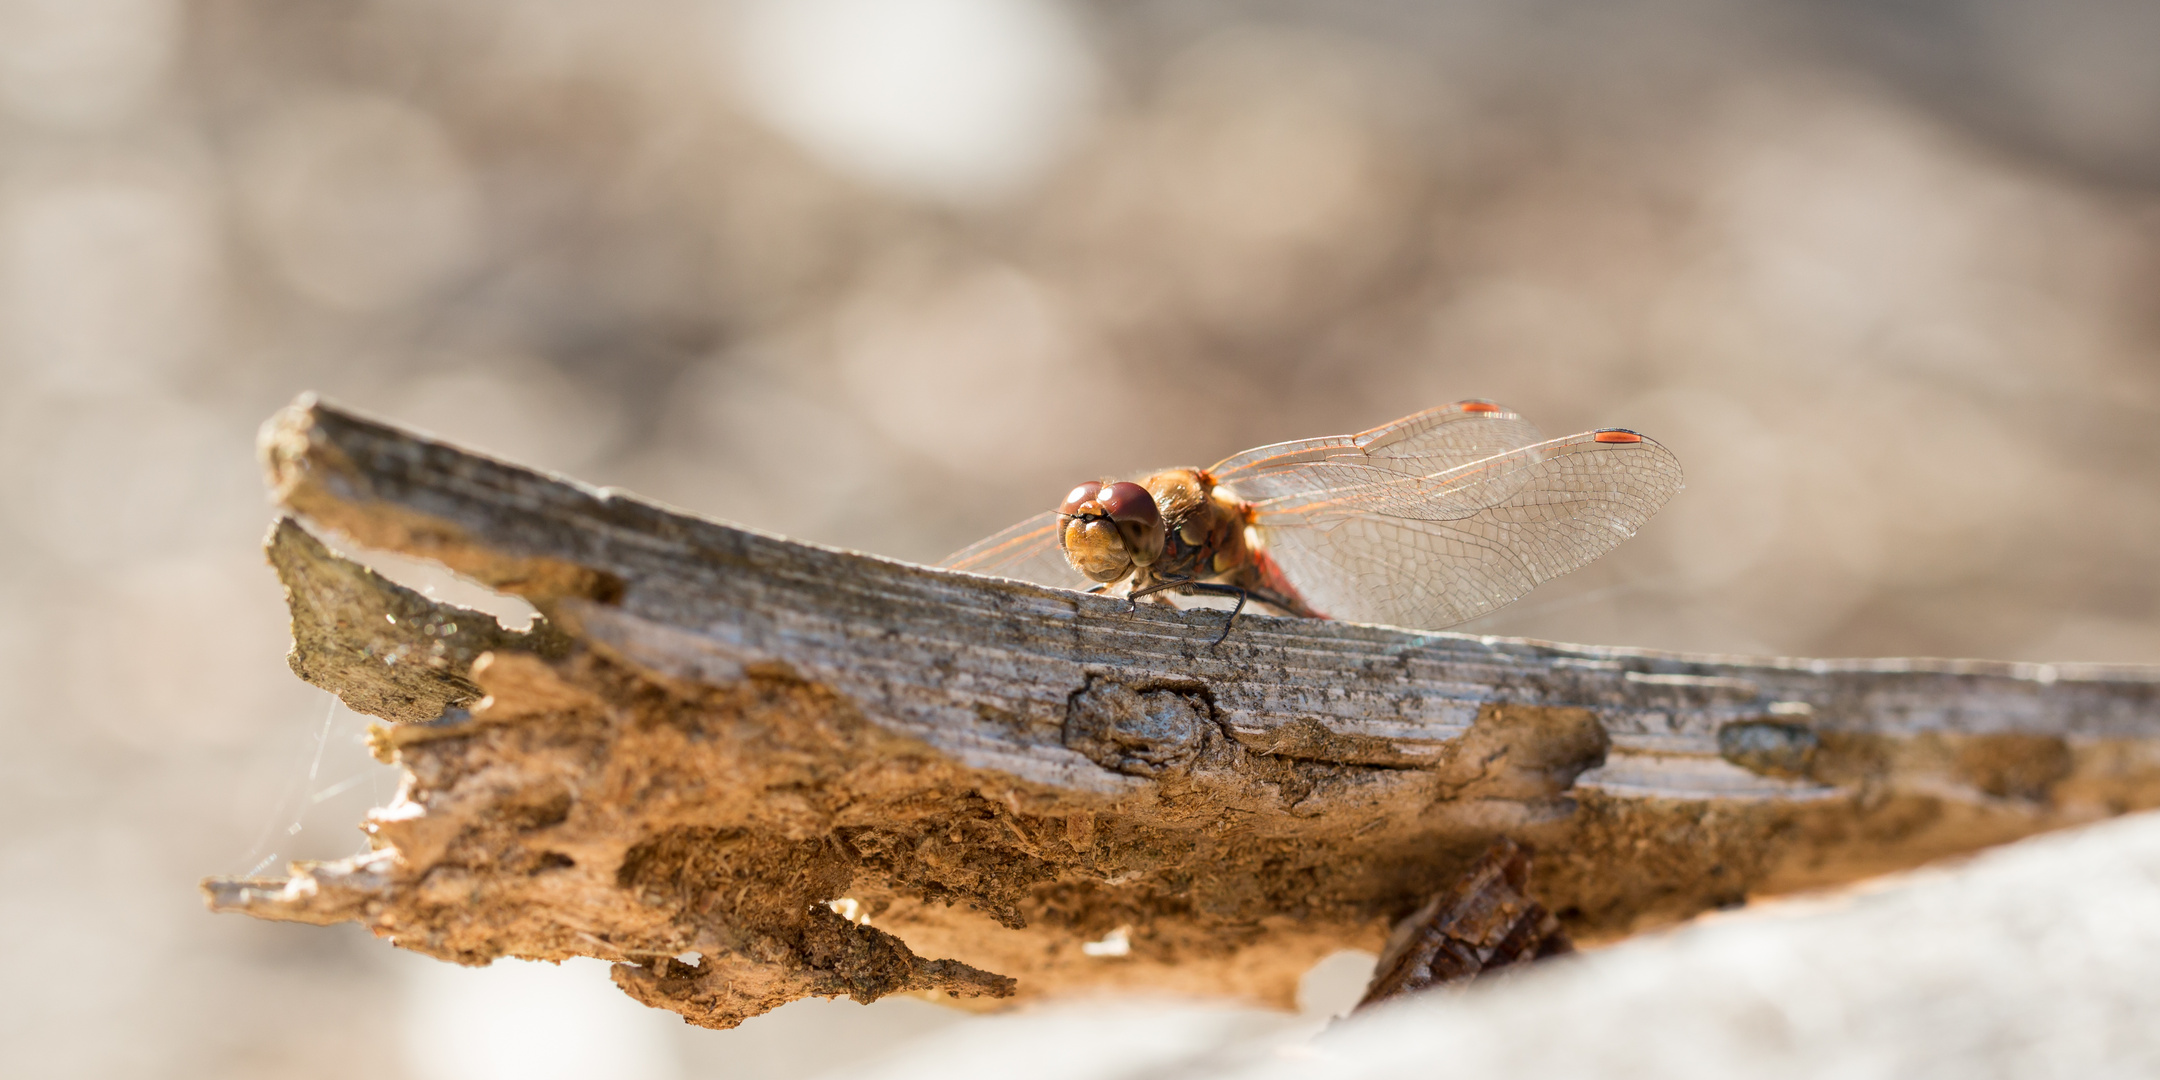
[[891, 274]]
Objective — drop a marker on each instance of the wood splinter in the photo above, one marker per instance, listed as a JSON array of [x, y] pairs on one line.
[[1482, 921]]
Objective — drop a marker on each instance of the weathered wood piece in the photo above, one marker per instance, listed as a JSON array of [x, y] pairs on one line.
[[716, 732], [1483, 921]]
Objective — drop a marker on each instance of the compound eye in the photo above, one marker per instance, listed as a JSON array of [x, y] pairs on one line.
[[1085, 493], [1138, 519], [1126, 501]]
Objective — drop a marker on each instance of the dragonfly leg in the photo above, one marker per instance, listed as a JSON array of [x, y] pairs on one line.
[[1212, 588], [1165, 585]]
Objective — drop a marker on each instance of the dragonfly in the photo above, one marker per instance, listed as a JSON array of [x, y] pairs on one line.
[[1427, 522]]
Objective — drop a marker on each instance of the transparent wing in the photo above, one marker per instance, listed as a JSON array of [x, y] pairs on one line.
[[1028, 551], [1433, 551], [1423, 444]]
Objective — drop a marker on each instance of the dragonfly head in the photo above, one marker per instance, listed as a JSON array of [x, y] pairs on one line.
[[1109, 528]]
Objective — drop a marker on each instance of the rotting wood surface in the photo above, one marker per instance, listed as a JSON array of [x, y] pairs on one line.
[[715, 737]]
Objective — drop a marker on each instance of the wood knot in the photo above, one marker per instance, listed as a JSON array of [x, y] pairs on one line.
[[1141, 732], [1769, 747]]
